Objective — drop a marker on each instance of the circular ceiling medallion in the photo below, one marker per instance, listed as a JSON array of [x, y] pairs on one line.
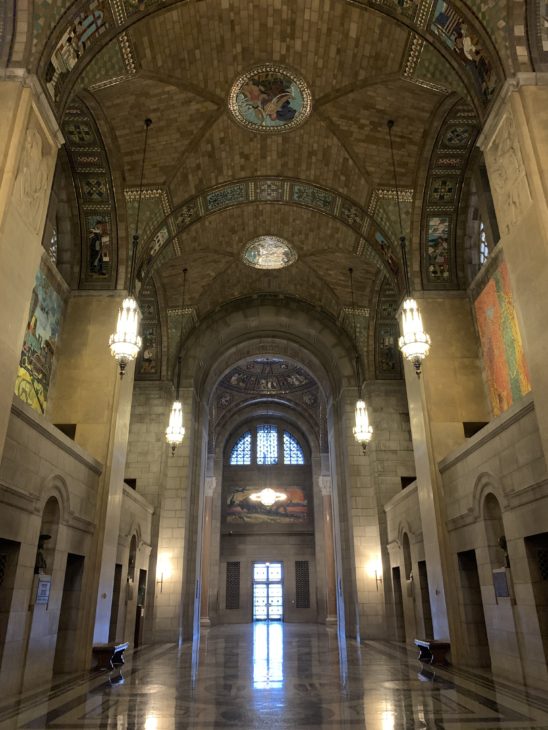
[[270, 98], [269, 252]]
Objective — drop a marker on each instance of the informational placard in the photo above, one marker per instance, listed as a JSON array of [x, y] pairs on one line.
[[501, 584], [42, 589]]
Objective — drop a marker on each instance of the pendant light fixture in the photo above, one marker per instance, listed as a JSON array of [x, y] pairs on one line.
[[414, 342], [362, 430], [126, 342], [175, 432]]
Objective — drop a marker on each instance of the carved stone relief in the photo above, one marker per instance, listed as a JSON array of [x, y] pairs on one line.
[[507, 174], [31, 183]]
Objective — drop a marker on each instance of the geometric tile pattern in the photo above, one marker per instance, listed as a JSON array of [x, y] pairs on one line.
[[388, 363], [268, 190], [446, 172], [149, 360], [282, 676], [96, 204]]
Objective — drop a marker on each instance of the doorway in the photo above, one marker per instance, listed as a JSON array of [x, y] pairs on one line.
[[268, 602]]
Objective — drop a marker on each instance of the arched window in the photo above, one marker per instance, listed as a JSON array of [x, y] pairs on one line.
[[293, 453], [241, 451], [267, 445], [483, 244]]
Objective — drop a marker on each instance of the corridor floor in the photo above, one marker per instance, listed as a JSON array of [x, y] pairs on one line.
[[278, 676]]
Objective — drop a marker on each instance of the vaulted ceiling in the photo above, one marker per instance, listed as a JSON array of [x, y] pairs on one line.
[[211, 184]]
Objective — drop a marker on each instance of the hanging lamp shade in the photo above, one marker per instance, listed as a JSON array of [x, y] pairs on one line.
[[175, 432], [125, 343], [363, 431], [414, 342]]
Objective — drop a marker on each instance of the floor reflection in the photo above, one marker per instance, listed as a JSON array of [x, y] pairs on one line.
[[283, 676], [268, 655]]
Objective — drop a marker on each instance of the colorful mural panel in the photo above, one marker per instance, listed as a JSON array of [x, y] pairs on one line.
[[79, 36], [438, 248], [504, 361], [465, 42], [268, 252], [99, 242], [42, 333], [241, 509], [270, 98]]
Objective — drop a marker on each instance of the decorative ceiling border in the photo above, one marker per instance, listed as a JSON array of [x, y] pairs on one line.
[[377, 246], [388, 362], [95, 195], [89, 25], [440, 210]]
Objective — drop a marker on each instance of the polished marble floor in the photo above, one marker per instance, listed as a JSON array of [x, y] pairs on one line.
[[279, 676]]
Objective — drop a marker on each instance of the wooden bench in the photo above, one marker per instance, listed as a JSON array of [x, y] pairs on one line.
[[433, 651], [109, 655]]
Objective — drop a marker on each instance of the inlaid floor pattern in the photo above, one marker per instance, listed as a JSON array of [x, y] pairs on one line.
[[279, 676]]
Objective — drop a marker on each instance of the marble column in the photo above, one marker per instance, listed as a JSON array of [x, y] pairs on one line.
[[29, 139], [88, 391], [330, 582], [515, 146], [209, 490], [449, 392]]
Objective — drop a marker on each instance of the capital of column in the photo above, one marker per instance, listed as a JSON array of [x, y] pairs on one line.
[[325, 484], [210, 485]]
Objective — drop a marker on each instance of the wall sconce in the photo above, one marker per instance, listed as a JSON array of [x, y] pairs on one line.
[[163, 568], [374, 570]]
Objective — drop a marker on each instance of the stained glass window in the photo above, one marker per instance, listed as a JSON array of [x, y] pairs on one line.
[[241, 451], [267, 445], [293, 453], [483, 245]]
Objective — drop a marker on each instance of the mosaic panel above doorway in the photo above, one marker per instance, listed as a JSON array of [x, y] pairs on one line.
[[270, 98]]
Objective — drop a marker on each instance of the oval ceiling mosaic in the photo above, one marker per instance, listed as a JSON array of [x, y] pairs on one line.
[[270, 98], [269, 252]]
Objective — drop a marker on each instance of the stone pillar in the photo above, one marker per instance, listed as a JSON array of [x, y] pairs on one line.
[[449, 392], [209, 490], [29, 138], [330, 582], [88, 391], [515, 145]]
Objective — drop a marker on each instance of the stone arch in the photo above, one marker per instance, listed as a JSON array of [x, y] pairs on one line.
[[160, 246], [413, 16], [55, 486], [486, 483]]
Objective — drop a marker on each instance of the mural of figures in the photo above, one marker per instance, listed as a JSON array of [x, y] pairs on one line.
[[387, 252], [241, 509], [269, 98], [438, 248], [35, 367], [99, 244], [504, 361], [269, 252], [80, 35], [467, 45]]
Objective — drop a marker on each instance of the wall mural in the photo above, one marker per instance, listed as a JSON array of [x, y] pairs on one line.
[[268, 252], [96, 204], [504, 361], [458, 35], [447, 167], [41, 335], [241, 509]]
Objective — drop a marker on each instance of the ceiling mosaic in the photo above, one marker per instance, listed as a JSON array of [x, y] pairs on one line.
[[267, 376], [95, 195], [268, 252], [270, 98]]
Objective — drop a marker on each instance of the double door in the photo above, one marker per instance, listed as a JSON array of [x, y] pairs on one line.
[[268, 600]]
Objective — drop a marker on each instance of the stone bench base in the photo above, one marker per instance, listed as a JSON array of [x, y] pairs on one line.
[[433, 651], [109, 655]]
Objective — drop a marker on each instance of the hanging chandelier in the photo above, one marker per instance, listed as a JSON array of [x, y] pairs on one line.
[[363, 431], [126, 342], [414, 342], [175, 431]]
